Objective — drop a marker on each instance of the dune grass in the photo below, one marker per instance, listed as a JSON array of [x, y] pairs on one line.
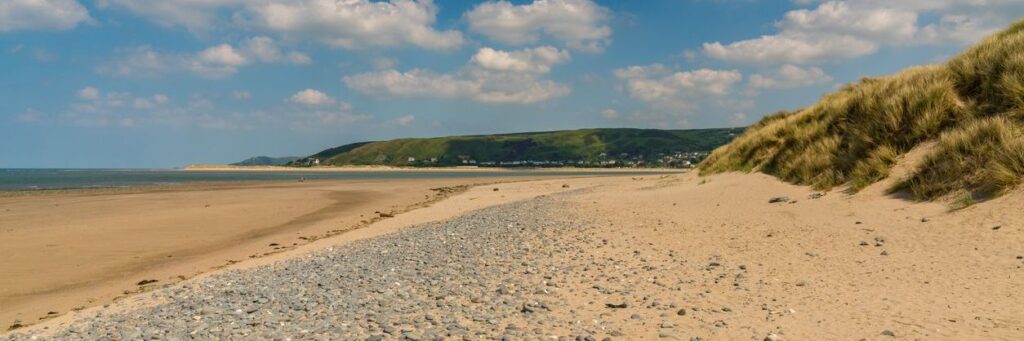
[[973, 105]]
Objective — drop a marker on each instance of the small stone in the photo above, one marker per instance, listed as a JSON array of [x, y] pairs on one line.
[[681, 312], [864, 243], [888, 333], [635, 317], [617, 305], [773, 337], [778, 200], [997, 227], [884, 253], [146, 281]]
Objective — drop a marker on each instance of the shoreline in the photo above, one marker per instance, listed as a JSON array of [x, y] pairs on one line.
[[428, 169]]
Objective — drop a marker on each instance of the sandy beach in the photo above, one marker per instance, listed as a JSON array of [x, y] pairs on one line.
[[625, 257], [63, 251]]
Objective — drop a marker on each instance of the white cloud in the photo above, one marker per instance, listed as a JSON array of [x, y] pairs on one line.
[[841, 29], [217, 61], [89, 93], [213, 62], [678, 91], [790, 48], [401, 121], [536, 60], [41, 15], [790, 76], [265, 50], [491, 76], [579, 24], [354, 23], [842, 18], [311, 97]]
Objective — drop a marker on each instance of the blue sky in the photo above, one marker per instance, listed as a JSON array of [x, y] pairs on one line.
[[139, 83]]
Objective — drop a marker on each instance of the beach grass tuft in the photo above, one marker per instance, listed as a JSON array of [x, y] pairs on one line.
[[972, 105]]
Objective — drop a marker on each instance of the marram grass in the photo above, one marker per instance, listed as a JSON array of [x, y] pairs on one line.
[[973, 106]]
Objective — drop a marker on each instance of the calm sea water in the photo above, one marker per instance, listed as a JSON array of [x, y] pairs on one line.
[[37, 179]]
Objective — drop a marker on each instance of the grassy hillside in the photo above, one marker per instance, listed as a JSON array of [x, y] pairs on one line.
[[972, 108], [266, 161], [648, 145]]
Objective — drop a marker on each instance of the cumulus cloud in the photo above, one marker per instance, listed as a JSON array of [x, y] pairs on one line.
[[89, 92], [789, 76], [491, 76], [311, 97], [579, 24], [55, 15], [536, 60], [677, 91], [841, 29], [213, 62], [354, 23], [345, 24]]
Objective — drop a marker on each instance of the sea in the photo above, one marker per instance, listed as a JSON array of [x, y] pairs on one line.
[[50, 179]]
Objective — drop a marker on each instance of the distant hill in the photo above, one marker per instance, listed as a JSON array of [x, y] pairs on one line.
[[585, 147], [967, 117], [266, 161]]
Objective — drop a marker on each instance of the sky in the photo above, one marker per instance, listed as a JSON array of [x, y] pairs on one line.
[[158, 84]]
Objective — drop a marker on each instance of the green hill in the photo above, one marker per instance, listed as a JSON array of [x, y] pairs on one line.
[[266, 161], [967, 115], [585, 147]]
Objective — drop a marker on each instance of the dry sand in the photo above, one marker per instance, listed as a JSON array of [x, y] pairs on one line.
[[925, 273], [838, 266]]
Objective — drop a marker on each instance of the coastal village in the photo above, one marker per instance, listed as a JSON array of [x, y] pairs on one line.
[[604, 160]]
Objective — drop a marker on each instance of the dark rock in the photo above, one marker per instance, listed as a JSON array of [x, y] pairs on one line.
[[888, 333], [778, 200], [146, 281], [617, 306]]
